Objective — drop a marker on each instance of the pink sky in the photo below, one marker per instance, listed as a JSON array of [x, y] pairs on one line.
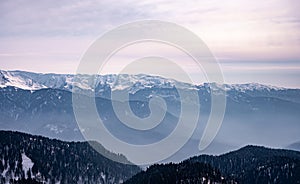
[[254, 41]]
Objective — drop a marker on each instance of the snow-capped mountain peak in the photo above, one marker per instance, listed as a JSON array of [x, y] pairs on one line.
[[36, 81], [132, 83], [19, 81], [253, 87]]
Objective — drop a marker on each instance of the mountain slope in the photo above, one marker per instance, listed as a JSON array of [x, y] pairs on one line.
[[42, 159], [248, 165], [184, 172], [255, 164]]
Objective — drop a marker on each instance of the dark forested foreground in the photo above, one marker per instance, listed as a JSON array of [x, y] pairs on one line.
[[185, 172], [33, 159], [248, 165], [254, 164], [27, 158]]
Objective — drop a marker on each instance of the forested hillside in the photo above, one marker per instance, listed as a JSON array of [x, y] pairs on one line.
[[35, 158]]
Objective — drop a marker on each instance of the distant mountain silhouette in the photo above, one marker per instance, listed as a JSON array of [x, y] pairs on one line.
[[294, 146]]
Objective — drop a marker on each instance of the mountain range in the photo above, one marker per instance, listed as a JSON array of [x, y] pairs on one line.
[[41, 104]]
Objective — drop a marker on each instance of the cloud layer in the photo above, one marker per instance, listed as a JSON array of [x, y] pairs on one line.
[[41, 35]]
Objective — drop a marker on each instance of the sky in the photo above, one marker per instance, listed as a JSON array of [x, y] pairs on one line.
[[253, 41]]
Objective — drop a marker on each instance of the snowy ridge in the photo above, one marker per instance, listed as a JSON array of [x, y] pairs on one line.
[[19, 81], [36, 81], [252, 87], [132, 83]]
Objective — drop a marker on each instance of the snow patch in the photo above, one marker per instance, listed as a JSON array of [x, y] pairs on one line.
[[26, 164]]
